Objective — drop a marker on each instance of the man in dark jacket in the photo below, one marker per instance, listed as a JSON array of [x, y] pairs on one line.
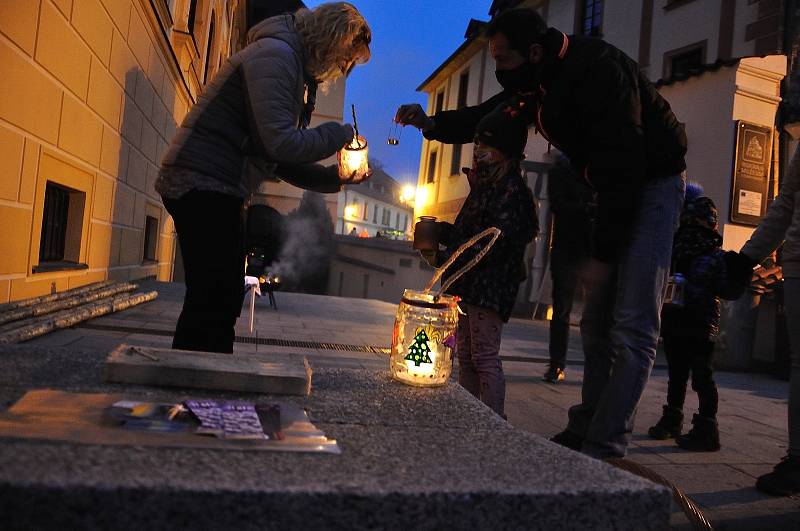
[[592, 102]]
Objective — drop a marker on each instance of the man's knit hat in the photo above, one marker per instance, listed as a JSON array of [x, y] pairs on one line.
[[504, 130]]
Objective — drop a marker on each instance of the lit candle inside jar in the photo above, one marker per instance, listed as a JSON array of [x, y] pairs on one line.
[[354, 160]]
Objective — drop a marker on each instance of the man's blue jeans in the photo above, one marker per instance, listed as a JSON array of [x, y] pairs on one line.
[[621, 322]]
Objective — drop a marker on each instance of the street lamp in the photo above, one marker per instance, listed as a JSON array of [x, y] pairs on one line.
[[408, 194]]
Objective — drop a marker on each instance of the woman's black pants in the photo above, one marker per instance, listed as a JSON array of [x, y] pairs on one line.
[[211, 236]]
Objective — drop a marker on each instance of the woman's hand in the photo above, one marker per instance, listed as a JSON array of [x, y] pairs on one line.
[[355, 178], [349, 133]]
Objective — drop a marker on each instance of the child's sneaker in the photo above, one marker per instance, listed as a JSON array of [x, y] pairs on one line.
[[784, 480], [554, 375], [669, 426], [703, 437]]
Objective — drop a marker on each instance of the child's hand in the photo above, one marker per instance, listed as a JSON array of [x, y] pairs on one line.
[[429, 256], [739, 272]]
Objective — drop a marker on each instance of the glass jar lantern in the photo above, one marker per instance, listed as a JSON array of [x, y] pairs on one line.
[[424, 338], [354, 160]]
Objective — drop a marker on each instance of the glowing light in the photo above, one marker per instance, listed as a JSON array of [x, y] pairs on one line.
[[350, 211], [421, 199], [354, 160], [421, 352], [408, 194]]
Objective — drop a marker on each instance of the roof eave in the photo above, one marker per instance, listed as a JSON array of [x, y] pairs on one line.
[[697, 72], [474, 35]]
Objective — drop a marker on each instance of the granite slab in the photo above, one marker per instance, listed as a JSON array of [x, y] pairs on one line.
[[411, 459]]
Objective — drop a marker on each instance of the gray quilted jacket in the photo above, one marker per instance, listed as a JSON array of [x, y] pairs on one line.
[[251, 111], [781, 224]]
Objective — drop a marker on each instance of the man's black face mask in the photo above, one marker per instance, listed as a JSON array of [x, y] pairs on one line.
[[524, 78]]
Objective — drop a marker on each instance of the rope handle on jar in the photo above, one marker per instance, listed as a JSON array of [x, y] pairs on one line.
[[494, 231]]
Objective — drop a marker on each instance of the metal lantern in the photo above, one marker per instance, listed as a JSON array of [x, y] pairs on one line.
[[426, 234], [354, 160], [424, 338]]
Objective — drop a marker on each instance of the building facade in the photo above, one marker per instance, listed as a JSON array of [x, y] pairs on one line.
[[90, 96], [719, 63], [373, 207], [376, 268]]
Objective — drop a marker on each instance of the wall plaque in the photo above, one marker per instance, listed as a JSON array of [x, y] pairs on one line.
[[752, 166]]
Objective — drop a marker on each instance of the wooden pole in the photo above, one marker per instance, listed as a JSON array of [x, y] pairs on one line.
[[252, 306], [64, 319], [54, 296], [63, 304]]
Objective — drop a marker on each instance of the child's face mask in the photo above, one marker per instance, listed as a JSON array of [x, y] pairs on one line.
[[487, 163]]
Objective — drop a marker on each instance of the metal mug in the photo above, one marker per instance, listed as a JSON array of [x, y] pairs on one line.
[[426, 234]]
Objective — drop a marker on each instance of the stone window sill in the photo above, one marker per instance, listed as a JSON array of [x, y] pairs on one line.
[[672, 4], [52, 267]]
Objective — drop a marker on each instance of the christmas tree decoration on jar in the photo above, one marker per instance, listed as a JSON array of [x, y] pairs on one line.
[[354, 157], [423, 339], [418, 352]]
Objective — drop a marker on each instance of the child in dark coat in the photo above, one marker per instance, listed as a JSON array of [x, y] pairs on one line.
[[499, 197], [690, 330]]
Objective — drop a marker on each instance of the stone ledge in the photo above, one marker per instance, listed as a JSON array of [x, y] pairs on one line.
[[411, 459]]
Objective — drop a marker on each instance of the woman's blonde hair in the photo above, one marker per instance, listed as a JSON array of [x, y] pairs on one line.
[[334, 34]]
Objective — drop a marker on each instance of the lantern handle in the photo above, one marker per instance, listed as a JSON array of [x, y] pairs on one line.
[[494, 231], [355, 128]]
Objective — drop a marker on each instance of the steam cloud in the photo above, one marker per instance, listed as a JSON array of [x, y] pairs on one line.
[[305, 258]]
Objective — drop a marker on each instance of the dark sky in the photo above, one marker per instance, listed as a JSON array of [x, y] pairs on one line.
[[410, 39]]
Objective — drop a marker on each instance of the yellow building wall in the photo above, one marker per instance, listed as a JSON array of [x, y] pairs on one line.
[[90, 95]]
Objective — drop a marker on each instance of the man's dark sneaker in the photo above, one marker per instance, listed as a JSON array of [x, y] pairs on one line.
[[703, 437], [784, 480], [554, 375], [669, 426], [569, 440]]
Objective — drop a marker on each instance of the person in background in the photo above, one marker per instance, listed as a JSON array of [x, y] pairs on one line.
[[254, 113], [498, 198], [690, 325], [782, 225], [571, 202]]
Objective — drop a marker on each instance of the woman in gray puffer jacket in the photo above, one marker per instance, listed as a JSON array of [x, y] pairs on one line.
[[254, 114]]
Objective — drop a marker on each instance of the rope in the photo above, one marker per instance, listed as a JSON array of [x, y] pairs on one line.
[[690, 509], [495, 232]]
